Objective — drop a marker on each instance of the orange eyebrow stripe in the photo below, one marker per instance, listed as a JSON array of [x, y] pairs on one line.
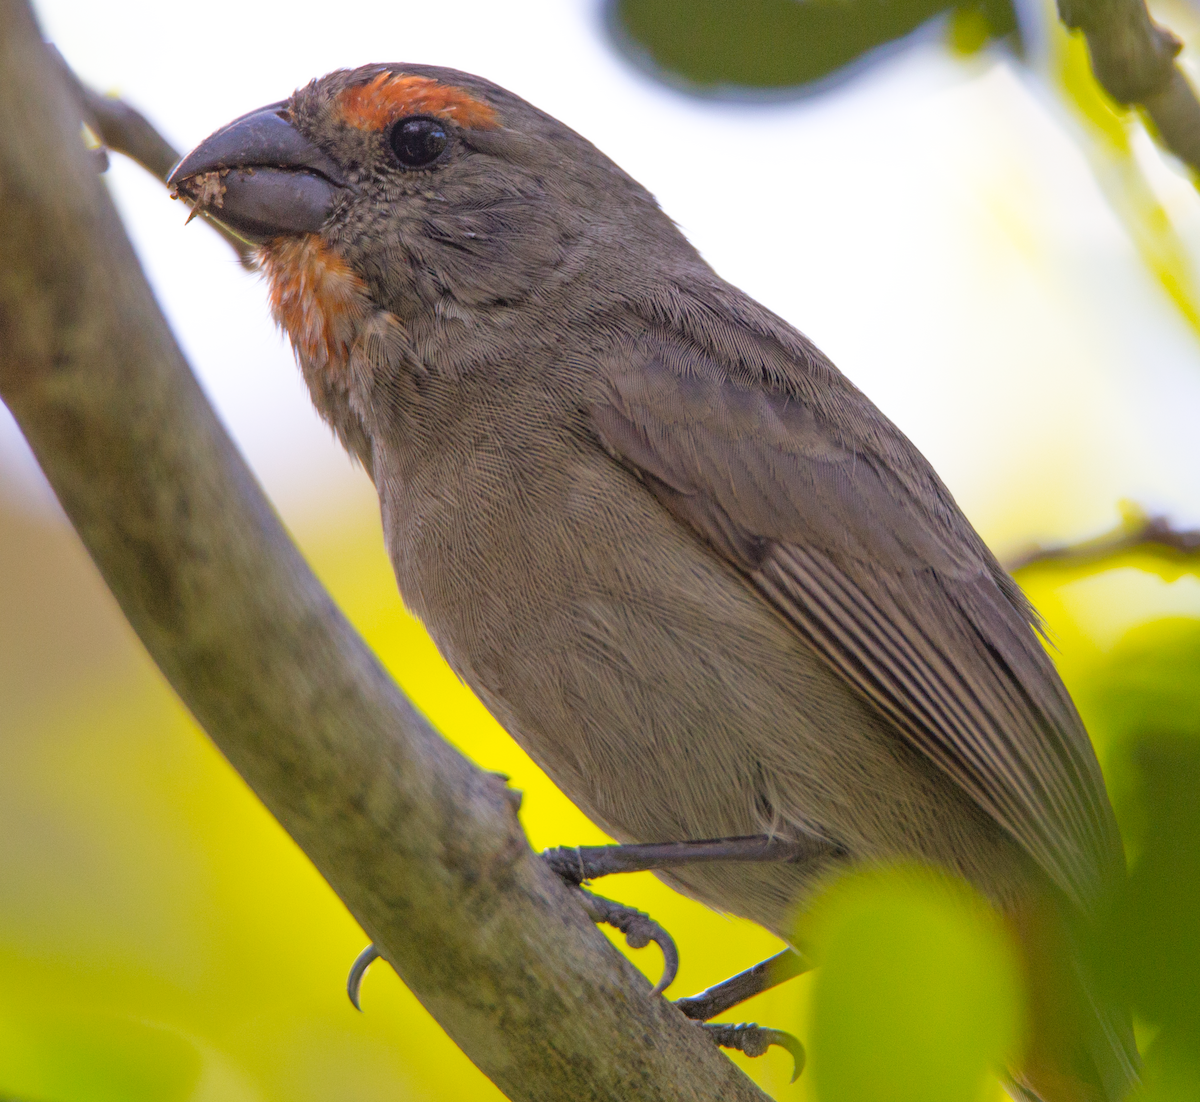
[[389, 96]]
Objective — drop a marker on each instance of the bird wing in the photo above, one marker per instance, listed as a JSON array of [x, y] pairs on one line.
[[844, 528]]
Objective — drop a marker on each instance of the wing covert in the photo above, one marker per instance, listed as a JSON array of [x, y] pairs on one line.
[[890, 585]]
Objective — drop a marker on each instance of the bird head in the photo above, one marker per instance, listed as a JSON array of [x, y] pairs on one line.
[[425, 193]]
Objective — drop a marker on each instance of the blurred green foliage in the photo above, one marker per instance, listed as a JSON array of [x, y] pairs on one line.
[[1141, 701], [748, 49], [917, 996], [1107, 134], [162, 940], [1148, 707], [773, 45]]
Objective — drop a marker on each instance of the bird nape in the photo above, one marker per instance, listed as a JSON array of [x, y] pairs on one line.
[[716, 595]]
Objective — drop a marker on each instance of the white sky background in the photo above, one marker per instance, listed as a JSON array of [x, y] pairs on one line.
[[931, 224]]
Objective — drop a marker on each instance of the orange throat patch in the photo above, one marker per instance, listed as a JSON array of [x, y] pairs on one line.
[[316, 298]]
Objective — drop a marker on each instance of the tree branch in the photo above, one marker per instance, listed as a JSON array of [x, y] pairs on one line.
[[126, 130], [1133, 59], [1136, 532], [423, 847]]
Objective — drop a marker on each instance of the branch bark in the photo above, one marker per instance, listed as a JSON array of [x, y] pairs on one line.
[[423, 847], [1155, 534], [1133, 58], [124, 129]]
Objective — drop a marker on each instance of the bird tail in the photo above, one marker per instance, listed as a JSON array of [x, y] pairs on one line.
[[1108, 1042], [1082, 1047]]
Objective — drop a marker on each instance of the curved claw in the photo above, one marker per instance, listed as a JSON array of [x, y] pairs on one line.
[[358, 969], [639, 930], [754, 1040]]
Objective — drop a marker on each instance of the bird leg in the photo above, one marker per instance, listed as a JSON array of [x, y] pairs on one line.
[[577, 864], [747, 1037], [745, 985]]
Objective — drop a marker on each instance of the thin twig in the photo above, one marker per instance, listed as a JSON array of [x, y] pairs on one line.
[[1133, 59], [124, 129], [1138, 531]]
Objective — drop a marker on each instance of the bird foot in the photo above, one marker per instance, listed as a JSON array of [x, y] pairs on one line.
[[754, 1040], [639, 930]]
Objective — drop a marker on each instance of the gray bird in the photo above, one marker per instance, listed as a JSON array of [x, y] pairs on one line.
[[695, 573]]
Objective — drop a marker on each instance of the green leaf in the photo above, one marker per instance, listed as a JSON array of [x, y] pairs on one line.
[[730, 45], [917, 997]]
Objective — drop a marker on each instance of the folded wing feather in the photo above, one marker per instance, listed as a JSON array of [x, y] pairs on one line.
[[893, 588]]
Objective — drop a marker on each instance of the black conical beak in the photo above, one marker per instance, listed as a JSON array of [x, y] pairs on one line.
[[261, 177]]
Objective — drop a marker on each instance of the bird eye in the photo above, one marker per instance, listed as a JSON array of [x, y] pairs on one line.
[[418, 141]]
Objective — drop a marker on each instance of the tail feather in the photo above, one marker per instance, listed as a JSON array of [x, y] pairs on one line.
[[1109, 1043], [1082, 1047]]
